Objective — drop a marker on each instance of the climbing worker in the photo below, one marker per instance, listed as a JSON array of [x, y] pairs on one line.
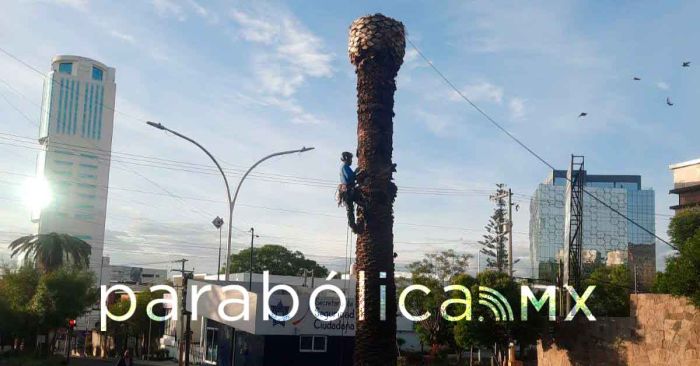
[[346, 189]]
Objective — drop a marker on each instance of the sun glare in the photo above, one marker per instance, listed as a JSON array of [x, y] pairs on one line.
[[37, 194]]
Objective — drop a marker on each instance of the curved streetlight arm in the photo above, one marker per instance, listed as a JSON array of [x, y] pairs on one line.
[[231, 202], [228, 189], [238, 188], [161, 127]]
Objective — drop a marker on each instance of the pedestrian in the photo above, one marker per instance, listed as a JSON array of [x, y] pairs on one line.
[[125, 359]]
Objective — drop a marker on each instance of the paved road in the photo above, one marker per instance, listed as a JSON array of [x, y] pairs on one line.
[[100, 362]]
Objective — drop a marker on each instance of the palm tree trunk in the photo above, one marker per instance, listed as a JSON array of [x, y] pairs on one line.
[[376, 47]]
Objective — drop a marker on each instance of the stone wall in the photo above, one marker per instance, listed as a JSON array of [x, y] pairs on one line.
[[661, 330]]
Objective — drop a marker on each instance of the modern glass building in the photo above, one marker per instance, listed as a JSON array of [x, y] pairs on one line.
[[606, 235], [76, 138]]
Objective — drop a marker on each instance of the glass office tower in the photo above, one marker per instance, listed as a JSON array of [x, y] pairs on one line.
[[606, 235]]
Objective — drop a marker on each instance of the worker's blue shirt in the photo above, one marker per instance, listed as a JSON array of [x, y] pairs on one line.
[[347, 175]]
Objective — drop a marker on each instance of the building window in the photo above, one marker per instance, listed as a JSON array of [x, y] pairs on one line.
[[312, 343], [89, 166], [96, 73], [84, 217], [212, 346], [65, 68]]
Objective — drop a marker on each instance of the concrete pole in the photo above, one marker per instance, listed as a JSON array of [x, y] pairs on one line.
[[510, 232]]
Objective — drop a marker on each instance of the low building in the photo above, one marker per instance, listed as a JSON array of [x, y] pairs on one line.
[[303, 339], [137, 275], [300, 340], [686, 184]]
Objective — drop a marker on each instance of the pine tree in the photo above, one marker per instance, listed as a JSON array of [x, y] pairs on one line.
[[494, 241]]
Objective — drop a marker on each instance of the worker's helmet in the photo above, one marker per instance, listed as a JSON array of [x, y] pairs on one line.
[[345, 156]]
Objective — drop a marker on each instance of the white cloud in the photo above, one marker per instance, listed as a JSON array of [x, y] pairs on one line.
[[291, 55], [123, 36], [296, 51], [202, 11], [437, 124], [481, 92], [412, 60], [169, 8], [411, 55], [299, 115], [516, 106], [78, 4], [255, 29], [663, 85], [536, 29]]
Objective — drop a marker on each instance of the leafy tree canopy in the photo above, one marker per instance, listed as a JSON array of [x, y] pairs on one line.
[[35, 302], [434, 272], [276, 259], [494, 241], [682, 276], [442, 266], [611, 295], [52, 251], [139, 322], [483, 329]]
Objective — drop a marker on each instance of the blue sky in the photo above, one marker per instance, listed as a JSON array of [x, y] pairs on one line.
[[250, 78]]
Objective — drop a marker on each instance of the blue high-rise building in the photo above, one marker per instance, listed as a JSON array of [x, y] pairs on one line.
[[607, 236]]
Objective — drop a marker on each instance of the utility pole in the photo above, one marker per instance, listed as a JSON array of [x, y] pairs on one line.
[[510, 232], [506, 225], [250, 273], [148, 347], [187, 332], [478, 261]]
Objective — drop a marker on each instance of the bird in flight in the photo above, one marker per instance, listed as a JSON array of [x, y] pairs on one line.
[[686, 64], [668, 101], [636, 78], [583, 114]]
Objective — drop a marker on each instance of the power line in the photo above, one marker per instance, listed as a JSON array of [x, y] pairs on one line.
[[278, 209], [4, 97], [109, 153], [27, 144], [522, 144]]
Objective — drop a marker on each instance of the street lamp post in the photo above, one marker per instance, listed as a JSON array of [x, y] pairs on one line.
[[231, 202], [250, 273], [218, 223], [235, 196]]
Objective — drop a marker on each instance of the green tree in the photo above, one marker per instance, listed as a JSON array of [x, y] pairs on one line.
[[35, 303], [51, 251], [434, 272], [612, 293], [494, 241], [682, 276], [276, 259], [485, 331], [64, 294], [442, 266], [17, 289], [139, 323]]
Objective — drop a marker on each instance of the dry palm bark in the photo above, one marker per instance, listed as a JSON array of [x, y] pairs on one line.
[[376, 47]]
